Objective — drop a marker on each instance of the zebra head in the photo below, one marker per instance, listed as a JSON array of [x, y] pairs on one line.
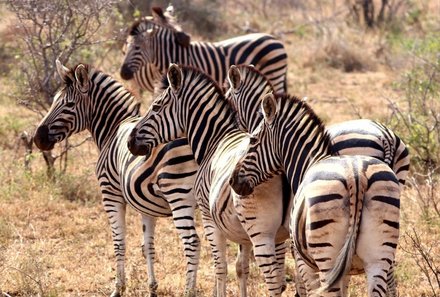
[[136, 48], [262, 160], [246, 86], [159, 125], [64, 117], [146, 42]]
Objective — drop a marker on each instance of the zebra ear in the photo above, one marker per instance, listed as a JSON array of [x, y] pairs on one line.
[[82, 78], [175, 77], [62, 70], [182, 38], [170, 10], [158, 14], [269, 107], [234, 77]]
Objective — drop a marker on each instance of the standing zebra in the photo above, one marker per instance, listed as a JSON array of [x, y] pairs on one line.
[[159, 186], [192, 104], [247, 86], [159, 41], [345, 216]]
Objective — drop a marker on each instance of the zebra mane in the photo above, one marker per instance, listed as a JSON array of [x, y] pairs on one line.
[[69, 79], [166, 21], [254, 71], [188, 70], [292, 102]]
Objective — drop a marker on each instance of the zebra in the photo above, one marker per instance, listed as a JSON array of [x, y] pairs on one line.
[[146, 77], [345, 215], [246, 86], [158, 40], [192, 104], [159, 186]]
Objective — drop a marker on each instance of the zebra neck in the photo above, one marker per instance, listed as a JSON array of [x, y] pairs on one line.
[[209, 121], [111, 105], [303, 142], [167, 51]]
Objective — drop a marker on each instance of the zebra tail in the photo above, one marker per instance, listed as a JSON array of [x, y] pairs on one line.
[[345, 257]]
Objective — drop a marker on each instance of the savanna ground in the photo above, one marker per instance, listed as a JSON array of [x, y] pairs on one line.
[[54, 235]]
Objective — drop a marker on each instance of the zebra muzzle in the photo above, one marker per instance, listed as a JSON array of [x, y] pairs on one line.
[[42, 140], [126, 72], [136, 148], [240, 184]]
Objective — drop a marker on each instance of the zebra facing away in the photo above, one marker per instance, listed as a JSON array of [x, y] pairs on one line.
[[365, 137], [158, 41], [245, 88], [159, 186], [192, 104], [345, 215]]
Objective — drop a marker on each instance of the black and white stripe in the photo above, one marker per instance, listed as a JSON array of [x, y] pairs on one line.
[[247, 86], [345, 216], [193, 105], [158, 41], [160, 186]]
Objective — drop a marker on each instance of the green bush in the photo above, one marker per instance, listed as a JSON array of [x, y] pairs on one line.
[[417, 119]]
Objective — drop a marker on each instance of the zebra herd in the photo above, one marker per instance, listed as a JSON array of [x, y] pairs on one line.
[[259, 164]]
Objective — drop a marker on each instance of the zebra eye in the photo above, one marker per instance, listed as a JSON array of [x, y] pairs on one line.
[[253, 140], [70, 104], [155, 108]]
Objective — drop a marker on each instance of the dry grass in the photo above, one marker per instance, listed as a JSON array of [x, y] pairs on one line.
[[55, 239]]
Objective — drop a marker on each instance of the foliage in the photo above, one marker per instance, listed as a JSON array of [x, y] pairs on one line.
[[418, 121], [50, 30]]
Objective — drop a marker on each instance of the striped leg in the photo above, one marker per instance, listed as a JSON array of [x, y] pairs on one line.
[[280, 254], [242, 267], [377, 279], [116, 215], [148, 227], [391, 282], [183, 217], [218, 248], [262, 224]]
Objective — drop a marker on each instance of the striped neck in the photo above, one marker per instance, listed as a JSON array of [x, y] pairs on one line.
[[246, 99], [301, 136], [206, 115], [111, 103], [167, 50]]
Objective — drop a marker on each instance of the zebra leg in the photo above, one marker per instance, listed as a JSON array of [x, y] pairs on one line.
[[306, 277], [183, 217], [148, 227], [377, 280], [116, 217], [242, 267], [391, 282], [280, 254], [265, 256], [346, 282], [218, 248]]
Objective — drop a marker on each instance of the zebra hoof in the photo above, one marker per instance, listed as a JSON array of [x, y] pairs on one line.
[[190, 293], [116, 293], [153, 289]]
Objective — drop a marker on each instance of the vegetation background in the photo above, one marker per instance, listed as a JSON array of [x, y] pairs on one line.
[[54, 235]]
